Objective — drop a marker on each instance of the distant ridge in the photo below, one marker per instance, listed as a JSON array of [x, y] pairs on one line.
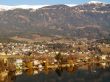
[[96, 1], [81, 21], [7, 7]]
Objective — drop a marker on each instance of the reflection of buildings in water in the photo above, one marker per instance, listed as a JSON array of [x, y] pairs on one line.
[[71, 69], [93, 67], [105, 65], [29, 72], [94, 71], [40, 69], [18, 72], [46, 70], [99, 65], [36, 72]]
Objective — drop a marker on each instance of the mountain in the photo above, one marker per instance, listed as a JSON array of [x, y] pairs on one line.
[[95, 2], [6, 7], [90, 20]]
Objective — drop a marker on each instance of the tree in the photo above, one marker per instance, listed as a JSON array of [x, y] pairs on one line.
[[59, 57]]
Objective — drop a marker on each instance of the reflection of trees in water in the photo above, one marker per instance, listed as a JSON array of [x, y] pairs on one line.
[[59, 71], [72, 74], [11, 77], [68, 69], [71, 69], [29, 72]]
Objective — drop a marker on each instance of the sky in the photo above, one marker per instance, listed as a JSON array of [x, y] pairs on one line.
[[45, 2]]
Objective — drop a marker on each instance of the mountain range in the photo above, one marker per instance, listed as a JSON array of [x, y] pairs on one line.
[[90, 20]]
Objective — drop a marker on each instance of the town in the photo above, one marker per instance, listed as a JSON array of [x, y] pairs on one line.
[[52, 55]]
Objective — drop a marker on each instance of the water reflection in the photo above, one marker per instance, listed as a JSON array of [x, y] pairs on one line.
[[86, 73]]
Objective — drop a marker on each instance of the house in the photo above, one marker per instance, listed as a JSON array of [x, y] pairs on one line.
[[19, 63]]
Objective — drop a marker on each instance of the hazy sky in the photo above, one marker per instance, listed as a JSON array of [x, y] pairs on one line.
[[47, 2]]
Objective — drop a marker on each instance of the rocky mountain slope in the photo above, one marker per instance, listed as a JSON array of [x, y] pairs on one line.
[[89, 20]]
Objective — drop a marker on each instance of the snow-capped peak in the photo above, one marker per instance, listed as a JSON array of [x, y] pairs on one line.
[[71, 5], [94, 2], [6, 7]]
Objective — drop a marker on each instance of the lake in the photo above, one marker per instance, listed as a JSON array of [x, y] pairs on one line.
[[86, 73]]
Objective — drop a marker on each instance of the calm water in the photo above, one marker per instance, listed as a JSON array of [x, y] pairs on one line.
[[91, 73]]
